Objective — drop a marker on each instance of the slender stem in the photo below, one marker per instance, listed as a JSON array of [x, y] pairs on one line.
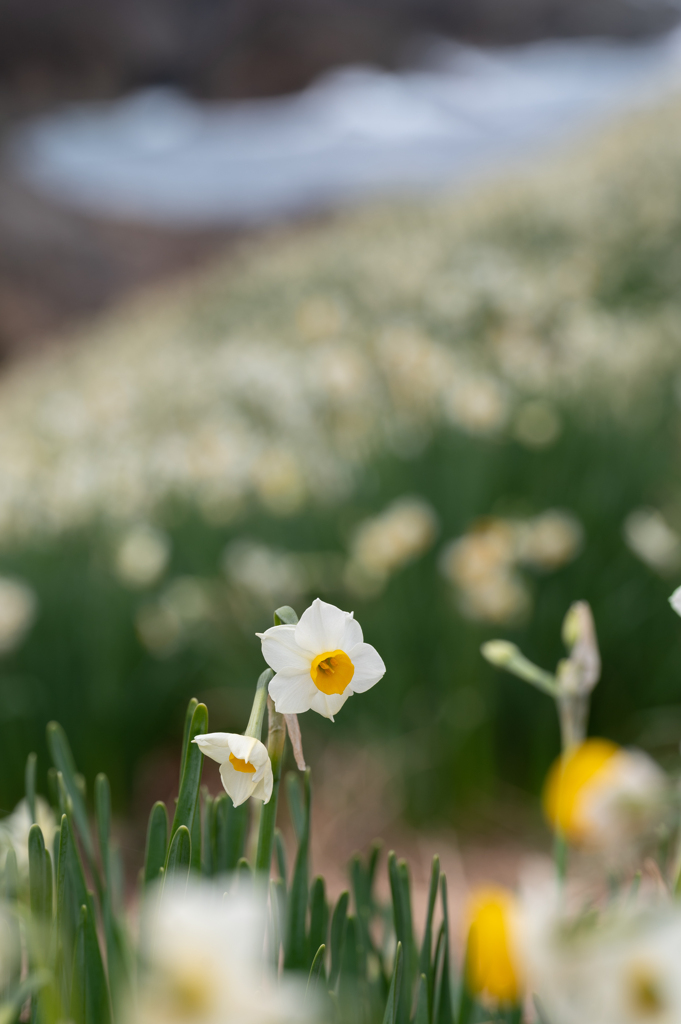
[[276, 739], [254, 727]]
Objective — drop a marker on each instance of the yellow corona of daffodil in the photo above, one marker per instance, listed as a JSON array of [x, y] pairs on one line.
[[492, 965], [599, 793]]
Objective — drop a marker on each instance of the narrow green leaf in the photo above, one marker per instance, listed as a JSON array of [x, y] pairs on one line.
[[285, 616], [445, 1003], [231, 827], [208, 837], [296, 803], [393, 1001], [296, 956], [372, 863], [277, 918], [243, 872], [188, 797], [179, 855], [197, 834], [422, 1014], [31, 764], [157, 842], [316, 971], [338, 925], [542, 1016], [60, 752], [39, 876], [280, 854], [319, 915], [103, 816], [400, 890], [276, 741], [426, 956], [189, 715], [89, 991]]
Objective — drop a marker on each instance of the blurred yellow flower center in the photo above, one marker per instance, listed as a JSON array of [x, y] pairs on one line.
[[240, 765], [647, 1000], [191, 993], [569, 778], [331, 672], [491, 968]]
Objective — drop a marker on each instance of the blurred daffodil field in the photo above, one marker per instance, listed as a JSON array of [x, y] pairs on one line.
[[455, 417]]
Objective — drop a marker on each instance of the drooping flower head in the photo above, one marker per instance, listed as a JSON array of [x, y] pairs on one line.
[[603, 795], [319, 662], [492, 962], [245, 766]]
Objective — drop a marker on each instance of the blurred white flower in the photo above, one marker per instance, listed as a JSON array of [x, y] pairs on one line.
[[15, 827], [549, 540], [536, 423], [270, 574], [483, 564], [175, 616], [479, 404], [319, 662], [203, 962], [18, 606], [386, 542], [606, 797], [142, 555], [650, 537], [245, 766], [617, 968]]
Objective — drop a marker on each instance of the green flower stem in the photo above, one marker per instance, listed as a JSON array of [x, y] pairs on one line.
[[254, 727], [276, 739], [573, 711]]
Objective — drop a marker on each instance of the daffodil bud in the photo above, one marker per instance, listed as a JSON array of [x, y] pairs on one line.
[[582, 670], [504, 654], [493, 970]]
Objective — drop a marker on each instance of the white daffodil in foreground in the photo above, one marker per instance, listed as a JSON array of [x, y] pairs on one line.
[[203, 962], [245, 766], [319, 662]]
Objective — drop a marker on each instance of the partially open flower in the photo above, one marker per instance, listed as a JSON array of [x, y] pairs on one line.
[[602, 795], [493, 969], [245, 766], [319, 662]]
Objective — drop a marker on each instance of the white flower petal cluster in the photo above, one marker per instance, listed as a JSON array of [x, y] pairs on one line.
[[203, 962], [319, 662], [172, 397], [620, 968], [245, 766], [18, 606], [484, 564]]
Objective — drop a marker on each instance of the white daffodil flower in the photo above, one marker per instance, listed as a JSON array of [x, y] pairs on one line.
[[319, 662], [203, 962], [245, 766]]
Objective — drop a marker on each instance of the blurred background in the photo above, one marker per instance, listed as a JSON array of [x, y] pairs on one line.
[[379, 302]]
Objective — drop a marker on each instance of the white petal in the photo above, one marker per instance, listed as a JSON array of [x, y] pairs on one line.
[[264, 785], [675, 600], [321, 627], [217, 745], [249, 749], [292, 693], [352, 635], [280, 650], [329, 704], [239, 785], [369, 667]]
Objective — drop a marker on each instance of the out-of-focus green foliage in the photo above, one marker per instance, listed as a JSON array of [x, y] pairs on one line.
[[480, 362]]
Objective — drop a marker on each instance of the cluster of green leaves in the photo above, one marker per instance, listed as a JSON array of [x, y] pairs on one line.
[[362, 958]]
